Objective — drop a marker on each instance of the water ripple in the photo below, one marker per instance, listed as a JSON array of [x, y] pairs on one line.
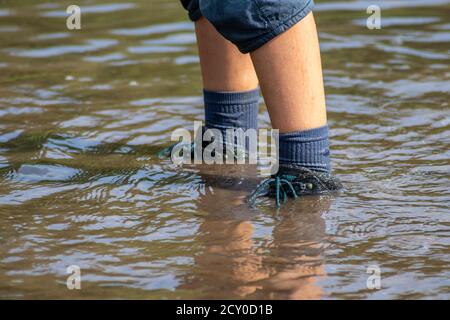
[[81, 181]]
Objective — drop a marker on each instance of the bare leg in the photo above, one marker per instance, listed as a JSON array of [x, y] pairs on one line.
[[224, 68], [290, 74]]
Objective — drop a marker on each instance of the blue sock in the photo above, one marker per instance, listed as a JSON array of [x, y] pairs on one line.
[[308, 148], [224, 110]]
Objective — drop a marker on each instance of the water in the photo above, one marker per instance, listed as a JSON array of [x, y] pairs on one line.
[[83, 113]]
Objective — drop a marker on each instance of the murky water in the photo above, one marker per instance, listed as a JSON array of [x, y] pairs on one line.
[[83, 113]]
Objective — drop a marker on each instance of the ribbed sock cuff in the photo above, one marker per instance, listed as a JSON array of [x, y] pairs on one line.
[[308, 148], [225, 110]]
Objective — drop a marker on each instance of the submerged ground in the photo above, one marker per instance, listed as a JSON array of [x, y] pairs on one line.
[[82, 114]]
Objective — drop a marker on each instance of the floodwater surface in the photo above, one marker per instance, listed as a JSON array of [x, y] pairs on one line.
[[83, 114]]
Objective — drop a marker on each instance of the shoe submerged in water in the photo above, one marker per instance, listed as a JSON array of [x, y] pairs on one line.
[[291, 180], [294, 181]]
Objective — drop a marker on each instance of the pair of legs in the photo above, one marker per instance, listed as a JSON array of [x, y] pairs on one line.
[[272, 43], [287, 68]]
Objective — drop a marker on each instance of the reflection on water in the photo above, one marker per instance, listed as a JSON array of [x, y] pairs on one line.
[[83, 114]]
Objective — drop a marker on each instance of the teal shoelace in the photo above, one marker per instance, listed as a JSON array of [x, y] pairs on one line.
[[284, 186], [280, 183]]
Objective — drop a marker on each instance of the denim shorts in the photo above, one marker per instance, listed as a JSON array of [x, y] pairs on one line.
[[249, 24]]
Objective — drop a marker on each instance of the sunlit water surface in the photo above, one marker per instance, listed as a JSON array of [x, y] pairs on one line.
[[83, 114]]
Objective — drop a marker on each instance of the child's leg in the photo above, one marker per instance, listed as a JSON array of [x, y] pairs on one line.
[[289, 70], [224, 68], [231, 93]]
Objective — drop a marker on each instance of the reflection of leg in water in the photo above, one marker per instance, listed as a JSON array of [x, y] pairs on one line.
[[229, 265], [295, 255], [230, 258], [242, 256]]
